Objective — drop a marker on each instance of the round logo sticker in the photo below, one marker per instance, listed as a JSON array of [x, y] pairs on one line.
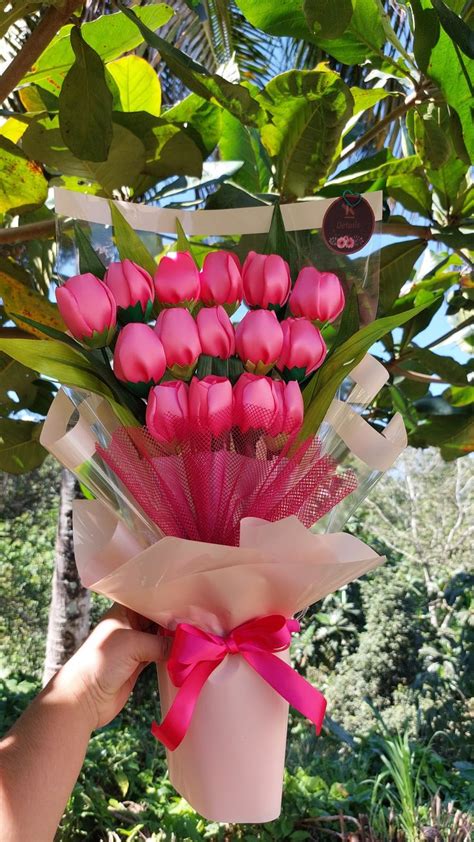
[[348, 223]]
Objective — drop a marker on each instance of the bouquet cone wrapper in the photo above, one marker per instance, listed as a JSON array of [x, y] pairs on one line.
[[230, 764]]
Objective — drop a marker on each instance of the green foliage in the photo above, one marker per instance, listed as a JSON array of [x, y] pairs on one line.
[[109, 35], [23, 185], [308, 111], [400, 637], [87, 131]]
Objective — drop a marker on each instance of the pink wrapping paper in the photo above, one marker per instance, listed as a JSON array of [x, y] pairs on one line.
[[230, 763]]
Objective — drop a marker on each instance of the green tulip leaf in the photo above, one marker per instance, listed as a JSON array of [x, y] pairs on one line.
[[57, 360], [129, 244], [322, 387], [89, 260]]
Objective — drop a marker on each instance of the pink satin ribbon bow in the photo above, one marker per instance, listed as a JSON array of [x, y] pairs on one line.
[[195, 654]]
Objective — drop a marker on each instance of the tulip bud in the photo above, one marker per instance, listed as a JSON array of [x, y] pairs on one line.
[[266, 280], [303, 349], [88, 309], [177, 279], [259, 340], [216, 332], [257, 404], [210, 402], [221, 279], [179, 334], [317, 295], [139, 358], [133, 290], [167, 411]]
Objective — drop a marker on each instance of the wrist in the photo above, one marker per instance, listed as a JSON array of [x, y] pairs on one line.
[[69, 691]]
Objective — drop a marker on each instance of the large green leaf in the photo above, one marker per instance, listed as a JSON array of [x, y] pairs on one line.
[[241, 143], [322, 387], [86, 130], [283, 18], [56, 360], [456, 28], [431, 140], [201, 118], [110, 36], [169, 149], [235, 98], [364, 35], [454, 435], [441, 60], [20, 450], [309, 109], [123, 166], [396, 264], [326, 18], [135, 85], [128, 242], [378, 166], [411, 191], [449, 181], [22, 183], [448, 369]]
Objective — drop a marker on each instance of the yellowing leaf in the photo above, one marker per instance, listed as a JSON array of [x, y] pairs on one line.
[[21, 300], [135, 85]]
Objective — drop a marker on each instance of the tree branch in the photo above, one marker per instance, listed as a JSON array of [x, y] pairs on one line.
[[14, 333], [460, 326], [382, 124], [39, 39], [43, 230]]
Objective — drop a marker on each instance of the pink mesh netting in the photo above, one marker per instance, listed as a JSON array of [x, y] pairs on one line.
[[201, 488]]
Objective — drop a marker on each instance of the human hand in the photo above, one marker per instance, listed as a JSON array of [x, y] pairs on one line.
[[101, 675]]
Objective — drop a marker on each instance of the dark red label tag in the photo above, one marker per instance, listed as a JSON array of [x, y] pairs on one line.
[[348, 224]]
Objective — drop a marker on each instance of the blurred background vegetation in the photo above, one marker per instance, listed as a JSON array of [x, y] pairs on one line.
[[393, 653], [205, 103]]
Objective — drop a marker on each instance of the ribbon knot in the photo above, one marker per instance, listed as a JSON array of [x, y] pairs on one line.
[[195, 654], [231, 645]]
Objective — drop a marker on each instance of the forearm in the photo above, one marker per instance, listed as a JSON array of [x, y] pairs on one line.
[[40, 760]]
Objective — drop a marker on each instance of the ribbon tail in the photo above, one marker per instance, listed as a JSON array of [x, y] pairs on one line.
[[178, 719], [289, 684]]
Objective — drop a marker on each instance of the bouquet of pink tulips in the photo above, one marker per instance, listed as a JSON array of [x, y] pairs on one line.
[[201, 405]]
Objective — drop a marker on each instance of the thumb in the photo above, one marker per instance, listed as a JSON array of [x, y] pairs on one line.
[[143, 647]]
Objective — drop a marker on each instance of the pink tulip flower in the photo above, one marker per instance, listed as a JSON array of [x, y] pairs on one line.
[[221, 279], [177, 279], [266, 404], [133, 290], [88, 309], [179, 334], [317, 295], [167, 411], [259, 340], [266, 280], [139, 358], [210, 402], [303, 349], [216, 332]]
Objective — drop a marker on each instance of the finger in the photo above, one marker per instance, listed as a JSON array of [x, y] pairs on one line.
[[144, 647]]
